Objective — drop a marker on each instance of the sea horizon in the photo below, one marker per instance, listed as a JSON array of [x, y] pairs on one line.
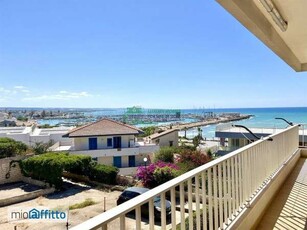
[[262, 117], [105, 108]]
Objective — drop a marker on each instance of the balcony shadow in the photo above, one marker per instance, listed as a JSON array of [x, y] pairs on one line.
[[145, 219], [68, 189], [288, 210], [21, 185]]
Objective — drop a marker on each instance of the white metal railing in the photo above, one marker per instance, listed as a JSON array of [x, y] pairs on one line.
[[222, 188]]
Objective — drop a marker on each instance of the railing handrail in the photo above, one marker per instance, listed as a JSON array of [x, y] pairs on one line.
[[116, 212]]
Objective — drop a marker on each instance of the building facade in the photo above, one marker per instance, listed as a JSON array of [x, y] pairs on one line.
[[111, 143]]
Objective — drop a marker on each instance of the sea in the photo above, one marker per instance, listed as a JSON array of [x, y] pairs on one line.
[[262, 117]]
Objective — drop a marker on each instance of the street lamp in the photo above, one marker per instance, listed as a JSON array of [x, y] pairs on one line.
[[145, 161], [254, 135]]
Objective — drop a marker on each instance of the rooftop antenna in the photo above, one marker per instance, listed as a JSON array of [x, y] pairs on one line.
[[254, 135], [288, 122]]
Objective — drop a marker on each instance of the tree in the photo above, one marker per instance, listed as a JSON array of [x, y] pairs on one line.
[[43, 113], [196, 140], [41, 147], [200, 132], [166, 154], [190, 159]]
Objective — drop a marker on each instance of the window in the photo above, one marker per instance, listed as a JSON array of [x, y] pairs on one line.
[[171, 143], [109, 142]]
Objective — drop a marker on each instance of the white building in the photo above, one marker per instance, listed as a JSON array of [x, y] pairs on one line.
[[111, 143], [165, 138], [32, 135]]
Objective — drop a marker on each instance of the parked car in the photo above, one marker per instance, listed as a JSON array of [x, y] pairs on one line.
[[132, 192]]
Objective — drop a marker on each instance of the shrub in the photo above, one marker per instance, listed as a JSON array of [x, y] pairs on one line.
[[103, 173], [194, 157], [78, 164], [185, 167], [196, 140], [152, 175], [45, 167], [148, 131], [166, 154], [187, 147], [50, 166], [10, 147], [41, 147], [162, 175], [209, 153], [21, 118]]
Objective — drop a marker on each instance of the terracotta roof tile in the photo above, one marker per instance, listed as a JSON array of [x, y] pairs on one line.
[[104, 127]]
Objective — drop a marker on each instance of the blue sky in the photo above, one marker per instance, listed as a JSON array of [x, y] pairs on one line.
[[157, 54]]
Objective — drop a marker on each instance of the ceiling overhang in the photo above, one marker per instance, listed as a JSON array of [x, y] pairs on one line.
[[291, 44]]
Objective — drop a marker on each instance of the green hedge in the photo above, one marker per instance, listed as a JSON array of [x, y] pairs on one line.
[[46, 167], [10, 147], [50, 166], [103, 173], [78, 164]]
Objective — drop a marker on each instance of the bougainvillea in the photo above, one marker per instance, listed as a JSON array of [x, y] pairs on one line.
[[157, 173], [195, 157]]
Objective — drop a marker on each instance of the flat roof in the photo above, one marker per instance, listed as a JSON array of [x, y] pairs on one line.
[[157, 135]]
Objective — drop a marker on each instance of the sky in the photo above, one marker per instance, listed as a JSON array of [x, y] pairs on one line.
[[154, 54]]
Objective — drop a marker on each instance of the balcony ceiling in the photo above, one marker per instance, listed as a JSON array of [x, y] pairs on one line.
[[290, 45]]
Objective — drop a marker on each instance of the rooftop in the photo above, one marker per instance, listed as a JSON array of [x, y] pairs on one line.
[[104, 127], [157, 135]]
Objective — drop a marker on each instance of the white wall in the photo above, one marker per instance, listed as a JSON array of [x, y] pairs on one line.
[[165, 139], [39, 135], [82, 143]]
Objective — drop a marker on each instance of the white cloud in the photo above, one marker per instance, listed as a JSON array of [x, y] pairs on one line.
[[3, 90], [62, 95], [19, 87]]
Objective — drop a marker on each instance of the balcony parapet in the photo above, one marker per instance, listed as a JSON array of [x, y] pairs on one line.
[[230, 185]]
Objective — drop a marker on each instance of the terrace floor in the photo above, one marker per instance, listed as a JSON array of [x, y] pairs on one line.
[[16, 189], [288, 210]]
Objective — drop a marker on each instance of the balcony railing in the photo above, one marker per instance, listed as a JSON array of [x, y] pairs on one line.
[[218, 191]]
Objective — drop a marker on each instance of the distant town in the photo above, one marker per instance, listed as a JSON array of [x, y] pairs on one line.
[[136, 115]]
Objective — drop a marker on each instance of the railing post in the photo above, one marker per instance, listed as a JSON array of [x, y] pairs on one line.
[[182, 209]]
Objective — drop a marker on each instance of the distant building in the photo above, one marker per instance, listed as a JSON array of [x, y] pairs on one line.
[[166, 138], [7, 123], [232, 138], [32, 135], [3, 116], [111, 143]]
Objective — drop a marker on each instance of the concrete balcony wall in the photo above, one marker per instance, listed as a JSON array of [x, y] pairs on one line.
[[118, 152]]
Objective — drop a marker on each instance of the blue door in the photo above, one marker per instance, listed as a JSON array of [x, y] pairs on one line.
[[117, 142], [92, 143], [117, 162], [131, 161]]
